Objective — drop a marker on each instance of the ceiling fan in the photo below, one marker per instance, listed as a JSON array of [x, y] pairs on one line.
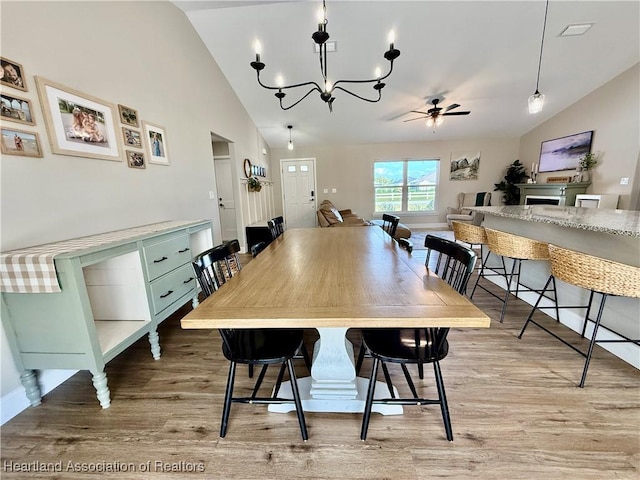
[[435, 115]]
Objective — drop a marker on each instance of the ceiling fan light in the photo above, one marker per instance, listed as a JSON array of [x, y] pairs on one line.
[[429, 122], [439, 120], [536, 102]]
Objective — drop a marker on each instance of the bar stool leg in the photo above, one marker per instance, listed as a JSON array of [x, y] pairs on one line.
[[586, 317], [535, 306], [593, 339], [509, 279], [483, 261]]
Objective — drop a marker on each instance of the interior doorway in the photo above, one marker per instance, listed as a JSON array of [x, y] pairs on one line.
[[225, 180], [299, 192]]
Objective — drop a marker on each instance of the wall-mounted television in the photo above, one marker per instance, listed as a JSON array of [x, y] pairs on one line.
[[564, 153]]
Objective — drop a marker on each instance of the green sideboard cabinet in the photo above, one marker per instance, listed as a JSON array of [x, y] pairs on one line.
[[111, 295]]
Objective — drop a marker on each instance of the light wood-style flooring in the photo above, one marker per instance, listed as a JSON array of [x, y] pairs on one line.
[[516, 410]]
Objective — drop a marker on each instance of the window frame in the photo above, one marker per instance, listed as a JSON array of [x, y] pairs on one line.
[[404, 186]]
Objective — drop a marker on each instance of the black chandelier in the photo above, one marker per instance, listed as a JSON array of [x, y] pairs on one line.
[[320, 37]]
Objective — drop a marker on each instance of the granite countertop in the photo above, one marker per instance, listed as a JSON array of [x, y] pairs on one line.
[[615, 222]]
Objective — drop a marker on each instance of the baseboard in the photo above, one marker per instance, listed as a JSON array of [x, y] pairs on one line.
[[16, 400], [430, 226], [573, 319]]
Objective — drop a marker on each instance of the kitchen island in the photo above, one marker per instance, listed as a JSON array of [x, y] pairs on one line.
[[606, 233]]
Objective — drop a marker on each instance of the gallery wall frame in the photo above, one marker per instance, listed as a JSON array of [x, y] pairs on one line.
[[128, 116], [77, 123], [20, 143], [132, 138], [12, 74], [136, 159], [16, 109], [156, 143]]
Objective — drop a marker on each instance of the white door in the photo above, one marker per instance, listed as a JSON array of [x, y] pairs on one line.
[[226, 204], [299, 192]]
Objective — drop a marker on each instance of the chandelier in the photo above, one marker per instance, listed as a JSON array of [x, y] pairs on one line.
[[327, 89]]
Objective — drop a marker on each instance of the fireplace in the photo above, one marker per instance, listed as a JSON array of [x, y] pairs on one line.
[[542, 200]]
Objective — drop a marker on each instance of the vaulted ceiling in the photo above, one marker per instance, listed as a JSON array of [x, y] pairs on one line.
[[482, 55]]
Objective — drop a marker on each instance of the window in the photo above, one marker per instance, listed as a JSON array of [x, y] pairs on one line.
[[405, 185]]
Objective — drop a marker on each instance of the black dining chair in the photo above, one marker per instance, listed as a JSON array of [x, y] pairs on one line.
[[390, 224], [252, 347], [276, 227], [405, 346]]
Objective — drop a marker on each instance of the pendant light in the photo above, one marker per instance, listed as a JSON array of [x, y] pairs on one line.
[[536, 101], [290, 146]]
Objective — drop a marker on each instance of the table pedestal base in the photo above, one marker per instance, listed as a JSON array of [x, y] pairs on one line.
[[335, 404]]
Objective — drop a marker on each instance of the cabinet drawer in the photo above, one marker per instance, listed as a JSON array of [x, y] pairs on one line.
[[164, 256], [171, 287]]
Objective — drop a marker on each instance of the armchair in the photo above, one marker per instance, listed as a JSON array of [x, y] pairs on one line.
[[462, 213]]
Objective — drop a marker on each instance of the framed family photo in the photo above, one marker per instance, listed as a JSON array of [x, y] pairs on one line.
[[16, 109], [156, 141], [78, 124], [135, 159], [12, 74], [132, 138], [128, 116], [21, 143]]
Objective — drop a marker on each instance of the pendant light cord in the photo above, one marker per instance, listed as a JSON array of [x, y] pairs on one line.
[[544, 27]]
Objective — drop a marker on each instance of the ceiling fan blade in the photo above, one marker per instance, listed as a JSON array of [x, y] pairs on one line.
[[417, 118], [422, 113], [456, 113], [452, 106]]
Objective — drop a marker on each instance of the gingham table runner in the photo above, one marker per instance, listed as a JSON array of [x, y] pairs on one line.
[[32, 270]]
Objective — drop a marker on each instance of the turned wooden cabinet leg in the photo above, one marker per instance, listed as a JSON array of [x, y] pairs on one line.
[[154, 340], [30, 384], [100, 384]]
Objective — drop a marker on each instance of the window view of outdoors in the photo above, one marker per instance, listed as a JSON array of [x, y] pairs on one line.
[[405, 185]]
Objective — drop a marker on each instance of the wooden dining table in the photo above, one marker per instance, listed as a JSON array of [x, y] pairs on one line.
[[334, 279]]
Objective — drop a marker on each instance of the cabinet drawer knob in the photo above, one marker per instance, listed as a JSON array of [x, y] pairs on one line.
[[184, 250], [166, 294], [188, 280], [160, 260]]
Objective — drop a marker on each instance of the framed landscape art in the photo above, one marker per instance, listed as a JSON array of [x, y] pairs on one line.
[[78, 124], [16, 109], [156, 141], [20, 143]]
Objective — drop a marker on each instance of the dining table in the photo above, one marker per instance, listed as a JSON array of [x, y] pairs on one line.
[[333, 280]]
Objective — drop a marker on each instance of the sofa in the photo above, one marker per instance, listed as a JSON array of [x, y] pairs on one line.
[[330, 216]]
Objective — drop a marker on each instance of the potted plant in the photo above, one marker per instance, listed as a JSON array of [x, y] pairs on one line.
[[586, 163], [515, 174], [254, 184]]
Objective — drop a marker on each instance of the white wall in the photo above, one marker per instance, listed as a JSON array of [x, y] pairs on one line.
[[349, 169], [144, 55], [613, 112]]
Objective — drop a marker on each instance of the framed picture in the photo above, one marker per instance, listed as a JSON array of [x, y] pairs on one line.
[[564, 153], [12, 74], [156, 140], [135, 159], [16, 109], [132, 138], [128, 116], [464, 166], [21, 143], [78, 124]]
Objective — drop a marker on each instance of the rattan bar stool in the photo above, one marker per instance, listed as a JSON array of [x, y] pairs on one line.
[[475, 236], [597, 275], [518, 249]]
